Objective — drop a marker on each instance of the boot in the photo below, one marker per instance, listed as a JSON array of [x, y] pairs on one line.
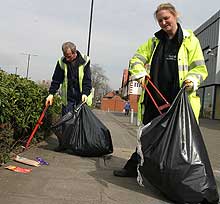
[[60, 147]]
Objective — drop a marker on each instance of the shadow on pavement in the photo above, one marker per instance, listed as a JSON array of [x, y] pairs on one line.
[[104, 175], [51, 143]]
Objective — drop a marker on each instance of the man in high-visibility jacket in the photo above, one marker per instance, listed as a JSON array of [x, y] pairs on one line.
[[72, 71], [171, 58]]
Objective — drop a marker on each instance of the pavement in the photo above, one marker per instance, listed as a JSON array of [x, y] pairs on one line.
[[70, 179]]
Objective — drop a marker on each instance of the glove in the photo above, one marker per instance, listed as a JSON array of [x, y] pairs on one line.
[[84, 98], [49, 100], [188, 84], [142, 80]]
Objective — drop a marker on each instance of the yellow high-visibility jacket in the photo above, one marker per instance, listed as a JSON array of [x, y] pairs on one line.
[[191, 65], [81, 75]]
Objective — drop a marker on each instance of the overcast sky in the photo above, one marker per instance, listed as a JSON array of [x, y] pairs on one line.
[[119, 26]]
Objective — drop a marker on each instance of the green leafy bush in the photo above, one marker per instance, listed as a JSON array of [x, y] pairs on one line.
[[21, 104], [6, 143]]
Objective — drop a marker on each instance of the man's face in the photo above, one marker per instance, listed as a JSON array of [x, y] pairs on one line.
[[69, 55]]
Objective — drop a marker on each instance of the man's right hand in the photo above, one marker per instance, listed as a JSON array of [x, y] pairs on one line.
[[49, 100]]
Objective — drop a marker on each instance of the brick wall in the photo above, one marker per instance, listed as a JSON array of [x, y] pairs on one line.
[[112, 104], [116, 103], [133, 99]]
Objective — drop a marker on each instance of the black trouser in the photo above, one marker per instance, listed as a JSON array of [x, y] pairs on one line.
[[126, 111], [132, 163], [150, 113]]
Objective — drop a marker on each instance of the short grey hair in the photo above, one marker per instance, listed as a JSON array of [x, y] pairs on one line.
[[68, 45]]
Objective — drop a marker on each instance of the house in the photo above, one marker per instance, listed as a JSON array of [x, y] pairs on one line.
[[208, 34], [130, 90]]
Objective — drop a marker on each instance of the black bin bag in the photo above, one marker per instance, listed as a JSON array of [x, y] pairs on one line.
[[174, 158], [83, 133]]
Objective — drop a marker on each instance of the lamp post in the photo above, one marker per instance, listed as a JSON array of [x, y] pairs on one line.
[[16, 70], [90, 26], [28, 62]]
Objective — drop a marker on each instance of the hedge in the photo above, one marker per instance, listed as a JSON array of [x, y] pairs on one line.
[[21, 104]]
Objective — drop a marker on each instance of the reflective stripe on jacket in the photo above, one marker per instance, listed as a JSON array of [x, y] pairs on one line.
[[65, 81], [191, 65]]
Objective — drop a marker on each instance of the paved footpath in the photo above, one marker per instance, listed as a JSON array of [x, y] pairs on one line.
[[72, 179]]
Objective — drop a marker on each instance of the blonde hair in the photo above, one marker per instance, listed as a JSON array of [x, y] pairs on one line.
[[166, 6]]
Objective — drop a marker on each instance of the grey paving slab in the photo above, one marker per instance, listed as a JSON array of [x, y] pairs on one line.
[[72, 179]]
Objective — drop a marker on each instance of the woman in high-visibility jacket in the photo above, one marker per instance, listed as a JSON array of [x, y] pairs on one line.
[[171, 58]]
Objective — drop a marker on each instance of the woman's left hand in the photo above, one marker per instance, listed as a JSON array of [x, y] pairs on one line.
[[189, 85]]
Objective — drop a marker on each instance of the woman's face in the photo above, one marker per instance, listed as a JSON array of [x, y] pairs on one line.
[[167, 21]]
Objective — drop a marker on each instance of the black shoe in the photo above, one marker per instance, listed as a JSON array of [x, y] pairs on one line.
[[124, 173], [59, 149]]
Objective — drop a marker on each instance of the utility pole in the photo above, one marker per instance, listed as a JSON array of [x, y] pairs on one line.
[[28, 62], [90, 27], [16, 70]]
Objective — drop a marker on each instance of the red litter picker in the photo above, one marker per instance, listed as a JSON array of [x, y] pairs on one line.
[[159, 108], [39, 123]]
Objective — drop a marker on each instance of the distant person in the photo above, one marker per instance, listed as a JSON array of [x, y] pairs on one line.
[[171, 58], [72, 71], [127, 107]]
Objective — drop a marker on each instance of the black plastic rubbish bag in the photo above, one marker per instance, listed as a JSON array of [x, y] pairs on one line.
[[174, 158], [83, 133]]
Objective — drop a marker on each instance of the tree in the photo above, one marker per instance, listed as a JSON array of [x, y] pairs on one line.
[[99, 82]]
